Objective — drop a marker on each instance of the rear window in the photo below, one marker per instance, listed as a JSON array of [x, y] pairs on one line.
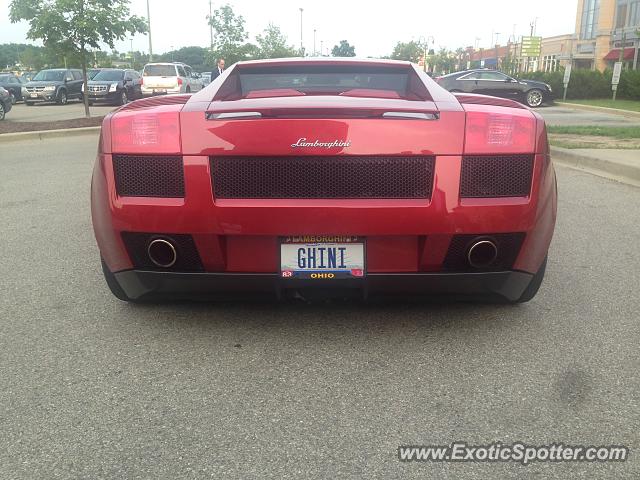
[[159, 71], [355, 80]]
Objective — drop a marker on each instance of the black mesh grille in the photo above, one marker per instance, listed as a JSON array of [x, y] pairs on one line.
[[322, 177], [508, 248], [503, 176], [148, 176], [187, 259]]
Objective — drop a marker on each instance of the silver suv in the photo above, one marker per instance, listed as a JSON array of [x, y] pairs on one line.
[[163, 78]]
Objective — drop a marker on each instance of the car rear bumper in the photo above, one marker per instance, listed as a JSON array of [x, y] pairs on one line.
[[144, 285], [149, 92]]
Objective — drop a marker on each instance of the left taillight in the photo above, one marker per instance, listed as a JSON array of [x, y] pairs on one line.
[[152, 131], [501, 130]]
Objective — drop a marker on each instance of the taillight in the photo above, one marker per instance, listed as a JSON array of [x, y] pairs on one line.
[[141, 81], [156, 131], [179, 82], [501, 130]]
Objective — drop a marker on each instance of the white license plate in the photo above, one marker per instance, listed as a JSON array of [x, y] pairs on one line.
[[34, 95], [322, 257]]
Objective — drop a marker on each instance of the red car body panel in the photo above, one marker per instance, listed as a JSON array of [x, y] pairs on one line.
[[242, 235]]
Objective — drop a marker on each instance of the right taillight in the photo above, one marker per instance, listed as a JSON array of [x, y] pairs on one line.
[[153, 131], [179, 82], [498, 131]]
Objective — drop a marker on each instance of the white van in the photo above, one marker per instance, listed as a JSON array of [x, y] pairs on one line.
[[163, 78]]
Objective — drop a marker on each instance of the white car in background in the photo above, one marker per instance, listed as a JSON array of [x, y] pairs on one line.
[[168, 78]]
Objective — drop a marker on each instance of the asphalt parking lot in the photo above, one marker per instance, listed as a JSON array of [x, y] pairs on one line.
[[96, 388], [554, 115], [563, 115], [42, 112]]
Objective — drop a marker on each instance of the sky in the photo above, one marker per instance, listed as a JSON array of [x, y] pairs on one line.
[[372, 27]]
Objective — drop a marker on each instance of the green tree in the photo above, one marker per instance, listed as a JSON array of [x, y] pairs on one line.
[[343, 50], [72, 27], [229, 37], [273, 44], [409, 51], [194, 56]]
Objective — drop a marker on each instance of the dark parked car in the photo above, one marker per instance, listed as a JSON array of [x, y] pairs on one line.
[[13, 85], [5, 102], [115, 86], [56, 85], [92, 72], [497, 84]]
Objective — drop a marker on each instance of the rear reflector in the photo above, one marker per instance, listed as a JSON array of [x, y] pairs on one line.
[[156, 131], [504, 130]]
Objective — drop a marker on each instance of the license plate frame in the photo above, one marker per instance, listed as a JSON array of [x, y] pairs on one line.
[[345, 257]]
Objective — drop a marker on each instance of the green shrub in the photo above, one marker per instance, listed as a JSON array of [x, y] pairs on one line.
[[629, 87], [554, 79], [589, 84]]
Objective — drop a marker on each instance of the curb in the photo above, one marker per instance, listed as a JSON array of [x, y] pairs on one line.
[[45, 134], [629, 174], [593, 108]]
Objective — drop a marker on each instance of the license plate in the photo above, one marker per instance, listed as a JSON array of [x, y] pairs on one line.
[[322, 257], [159, 92], [34, 95]]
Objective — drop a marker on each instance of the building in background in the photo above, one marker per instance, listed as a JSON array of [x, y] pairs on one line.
[[605, 29]]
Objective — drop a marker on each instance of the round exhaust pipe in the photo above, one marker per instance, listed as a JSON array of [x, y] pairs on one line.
[[162, 253], [482, 253]]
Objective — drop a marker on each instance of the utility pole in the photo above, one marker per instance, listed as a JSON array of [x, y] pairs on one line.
[[210, 25], [132, 57], [149, 27], [314, 42], [322, 48], [301, 41], [495, 46]]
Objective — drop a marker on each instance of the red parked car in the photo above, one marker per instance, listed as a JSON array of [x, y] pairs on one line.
[[323, 177]]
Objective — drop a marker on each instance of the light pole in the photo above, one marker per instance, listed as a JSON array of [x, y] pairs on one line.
[[301, 43], [210, 25], [172, 53], [132, 57], [322, 48], [314, 42], [149, 28], [495, 46]]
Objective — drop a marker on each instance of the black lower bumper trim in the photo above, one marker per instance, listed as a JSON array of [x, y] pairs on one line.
[[149, 285]]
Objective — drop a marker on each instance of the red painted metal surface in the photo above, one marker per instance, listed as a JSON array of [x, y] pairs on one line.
[[402, 235]]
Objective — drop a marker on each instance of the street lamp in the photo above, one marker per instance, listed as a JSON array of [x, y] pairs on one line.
[[301, 43], [132, 57], [172, 53], [314, 42], [149, 28]]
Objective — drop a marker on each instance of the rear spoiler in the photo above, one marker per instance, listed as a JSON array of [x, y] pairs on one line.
[[322, 113]]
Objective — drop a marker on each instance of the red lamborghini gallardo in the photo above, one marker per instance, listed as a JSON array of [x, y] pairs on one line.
[[307, 177]]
